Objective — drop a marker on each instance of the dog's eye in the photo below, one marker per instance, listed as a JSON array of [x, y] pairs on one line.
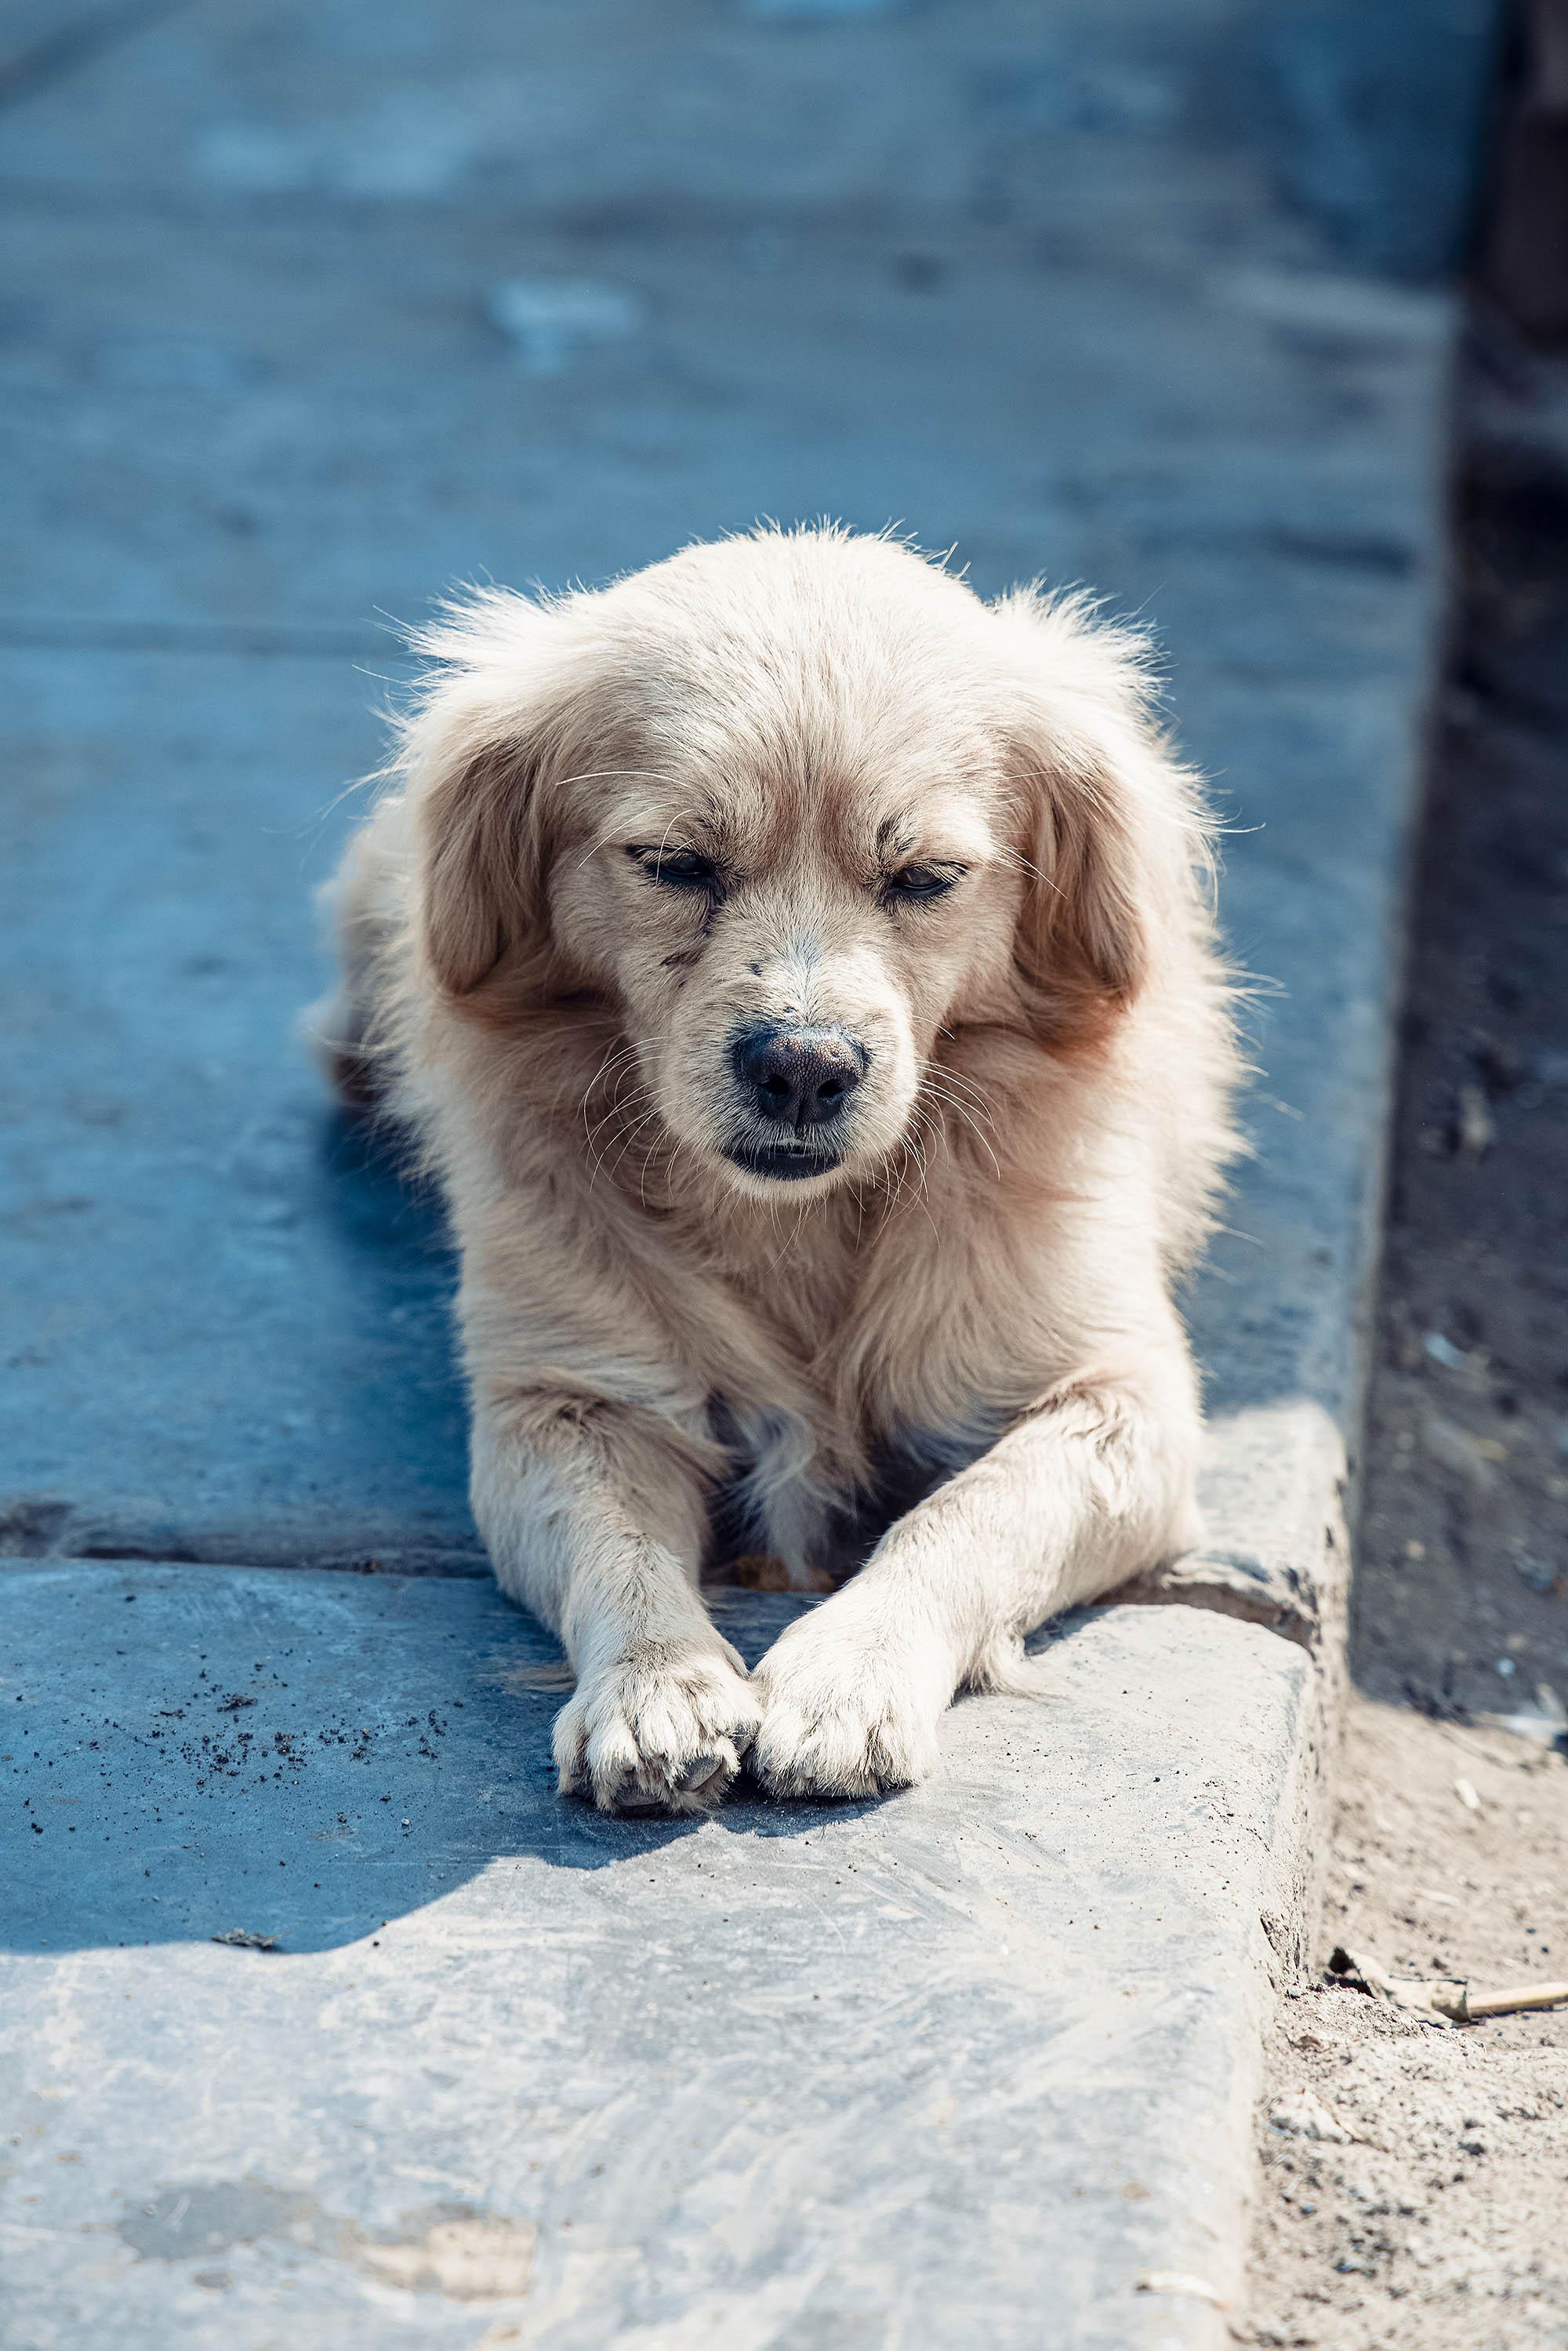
[[682, 869], [921, 881]]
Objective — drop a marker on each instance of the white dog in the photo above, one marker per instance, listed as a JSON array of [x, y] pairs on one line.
[[802, 979]]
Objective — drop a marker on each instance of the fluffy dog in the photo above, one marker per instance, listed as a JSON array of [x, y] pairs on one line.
[[801, 977]]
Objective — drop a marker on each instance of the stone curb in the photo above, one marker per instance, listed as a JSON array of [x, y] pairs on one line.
[[961, 2064]]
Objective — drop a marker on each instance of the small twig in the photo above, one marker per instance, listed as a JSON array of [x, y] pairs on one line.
[[1442, 2000], [1506, 2003]]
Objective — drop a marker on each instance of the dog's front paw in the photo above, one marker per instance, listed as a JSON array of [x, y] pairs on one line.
[[663, 1730], [843, 1715]]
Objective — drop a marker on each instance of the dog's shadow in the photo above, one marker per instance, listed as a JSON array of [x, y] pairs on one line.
[[296, 1760]]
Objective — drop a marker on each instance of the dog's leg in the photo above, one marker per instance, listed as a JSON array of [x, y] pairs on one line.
[[1093, 1486], [597, 1525]]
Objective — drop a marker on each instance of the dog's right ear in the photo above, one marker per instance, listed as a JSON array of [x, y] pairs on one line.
[[482, 865], [481, 753]]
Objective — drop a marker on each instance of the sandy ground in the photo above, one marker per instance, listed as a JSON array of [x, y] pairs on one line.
[[1430, 2211], [1440, 2222]]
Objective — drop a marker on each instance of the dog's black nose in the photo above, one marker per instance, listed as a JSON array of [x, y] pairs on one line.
[[801, 1077]]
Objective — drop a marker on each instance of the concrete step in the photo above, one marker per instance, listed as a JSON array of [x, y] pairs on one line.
[[957, 2068]]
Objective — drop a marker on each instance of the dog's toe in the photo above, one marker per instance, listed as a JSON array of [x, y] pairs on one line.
[[841, 1726], [664, 1736]]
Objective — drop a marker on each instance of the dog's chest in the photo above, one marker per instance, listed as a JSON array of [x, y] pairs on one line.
[[788, 1499], [839, 1431]]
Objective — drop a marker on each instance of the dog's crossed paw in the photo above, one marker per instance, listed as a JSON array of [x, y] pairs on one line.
[[842, 1717], [663, 1730]]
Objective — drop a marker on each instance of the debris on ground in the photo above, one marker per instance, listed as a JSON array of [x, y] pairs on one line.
[[1184, 2282], [1303, 2117], [1428, 2215], [1442, 1999], [1476, 1133], [242, 1942]]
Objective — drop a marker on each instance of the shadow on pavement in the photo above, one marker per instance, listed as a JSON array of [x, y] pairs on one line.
[[195, 1752]]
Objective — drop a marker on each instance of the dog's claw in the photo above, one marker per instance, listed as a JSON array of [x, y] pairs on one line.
[[659, 1736], [631, 1796], [702, 1775]]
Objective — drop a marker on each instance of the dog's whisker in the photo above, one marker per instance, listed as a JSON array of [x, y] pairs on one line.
[[912, 1153], [935, 1134], [621, 1109], [628, 1139], [672, 1145], [616, 1121], [969, 1118], [977, 1121], [943, 1074], [612, 1085], [642, 1099], [612, 1062], [937, 1075], [615, 1059], [791, 1238]]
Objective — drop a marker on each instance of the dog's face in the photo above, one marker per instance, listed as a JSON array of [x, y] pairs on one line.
[[784, 945], [798, 806]]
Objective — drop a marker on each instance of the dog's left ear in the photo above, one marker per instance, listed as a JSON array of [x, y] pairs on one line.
[[1109, 823]]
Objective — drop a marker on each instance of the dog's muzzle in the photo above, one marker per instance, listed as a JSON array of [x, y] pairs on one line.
[[795, 1084]]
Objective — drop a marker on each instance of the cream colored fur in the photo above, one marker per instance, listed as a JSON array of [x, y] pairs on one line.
[[977, 1297]]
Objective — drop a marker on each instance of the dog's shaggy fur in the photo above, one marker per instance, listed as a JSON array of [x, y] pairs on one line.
[[801, 977]]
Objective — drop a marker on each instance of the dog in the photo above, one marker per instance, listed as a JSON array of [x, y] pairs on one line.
[[801, 977]]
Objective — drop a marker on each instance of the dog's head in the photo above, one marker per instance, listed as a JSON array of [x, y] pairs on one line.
[[800, 806]]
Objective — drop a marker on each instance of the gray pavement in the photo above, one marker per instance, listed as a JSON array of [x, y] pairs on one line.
[[912, 2073], [308, 311]]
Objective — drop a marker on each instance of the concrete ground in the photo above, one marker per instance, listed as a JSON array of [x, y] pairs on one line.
[[309, 312]]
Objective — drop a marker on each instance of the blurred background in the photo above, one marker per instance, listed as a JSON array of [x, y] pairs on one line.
[[321, 307]]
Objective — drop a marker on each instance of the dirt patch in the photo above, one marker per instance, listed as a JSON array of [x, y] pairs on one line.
[[1436, 2223], [1416, 2179]]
